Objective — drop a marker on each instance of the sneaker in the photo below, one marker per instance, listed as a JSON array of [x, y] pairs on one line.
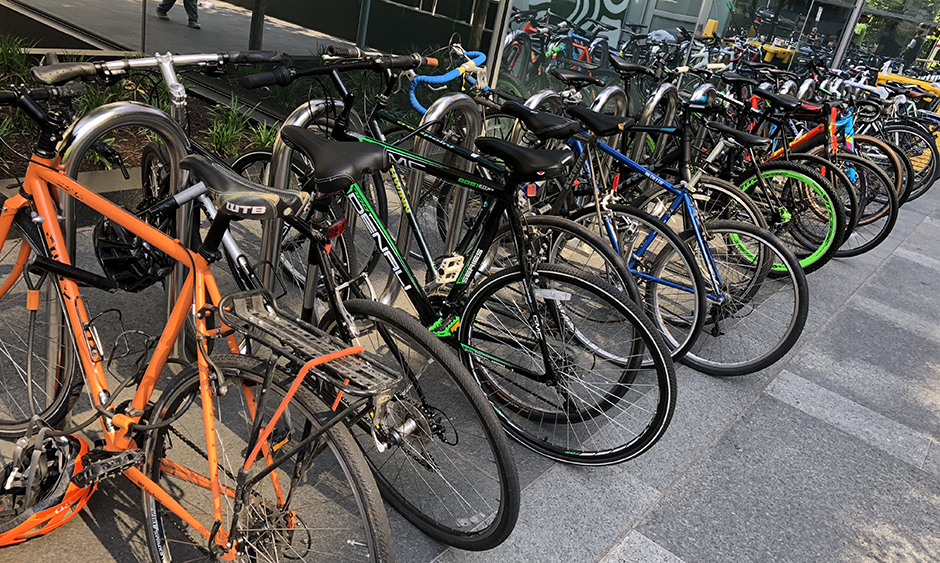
[[162, 16], [194, 25]]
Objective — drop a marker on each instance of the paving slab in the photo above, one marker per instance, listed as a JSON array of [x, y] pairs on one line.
[[781, 485]]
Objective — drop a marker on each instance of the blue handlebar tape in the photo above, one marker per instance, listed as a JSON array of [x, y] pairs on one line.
[[476, 59]]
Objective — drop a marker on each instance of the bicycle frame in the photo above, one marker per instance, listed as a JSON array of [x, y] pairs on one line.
[[41, 188]]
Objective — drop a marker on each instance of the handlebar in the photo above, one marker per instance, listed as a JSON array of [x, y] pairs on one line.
[[284, 76], [70, 90], [476, 59], [63, 72]]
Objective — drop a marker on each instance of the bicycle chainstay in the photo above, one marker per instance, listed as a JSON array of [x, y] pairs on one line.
[[255, 315]]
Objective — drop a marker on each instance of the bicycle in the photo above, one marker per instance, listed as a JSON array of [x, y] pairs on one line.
[[552, 312], [254, 514], [451, 502]]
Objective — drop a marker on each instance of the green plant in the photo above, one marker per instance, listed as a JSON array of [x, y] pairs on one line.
[[14, 60], [227, 124], [263, 135]]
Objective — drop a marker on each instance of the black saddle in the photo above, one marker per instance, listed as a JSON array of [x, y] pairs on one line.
[[526, 165], [541, 124], [778, 101], [737, 80], [623, 66], [239, 198], [336, 165], [600, 124], [741, 137], [575, 78]]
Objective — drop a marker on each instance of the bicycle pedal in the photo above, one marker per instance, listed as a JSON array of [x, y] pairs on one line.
[[101, 464]]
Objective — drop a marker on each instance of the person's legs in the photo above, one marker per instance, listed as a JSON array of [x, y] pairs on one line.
[[190, 6], [164, 7]]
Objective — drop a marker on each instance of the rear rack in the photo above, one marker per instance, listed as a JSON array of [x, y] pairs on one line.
[[255, 314]]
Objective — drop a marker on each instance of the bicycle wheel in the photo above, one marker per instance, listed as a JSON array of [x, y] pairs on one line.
[[921, 149], [880, 153], [663, 268], [802, 211], [589, 402], [907, 172], [38, 364], [322, 506], [450, 470], [878, 205], [758, 311], [840, 182], [561, 241], [715, 199]]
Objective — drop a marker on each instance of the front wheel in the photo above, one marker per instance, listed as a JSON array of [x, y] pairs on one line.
[[320, 505], [758, 309], [448, 468], [565, 374]]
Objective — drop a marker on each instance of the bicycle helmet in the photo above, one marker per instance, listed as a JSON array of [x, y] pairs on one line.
[[125, 258], [36, 491]]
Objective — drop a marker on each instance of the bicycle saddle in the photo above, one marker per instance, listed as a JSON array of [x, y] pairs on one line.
[[239, 198], [541, 124], [600, 124], [526, 165], [778, 101], [336, 165], [575, 78], [916, 93], [735, 79], [621, 65], [741, 137]]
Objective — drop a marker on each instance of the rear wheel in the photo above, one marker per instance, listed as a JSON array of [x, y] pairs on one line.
[[448, 468], [758, 311], [322, 506], [588, 401]]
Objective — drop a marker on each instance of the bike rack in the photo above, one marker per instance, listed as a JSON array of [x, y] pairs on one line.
[[85, 131], [807, 90], [617, 95], [415, 181], [278, 176], [789, 88], [668, 95]]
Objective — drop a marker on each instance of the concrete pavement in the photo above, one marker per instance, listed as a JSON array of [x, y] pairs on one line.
[[224, 27]]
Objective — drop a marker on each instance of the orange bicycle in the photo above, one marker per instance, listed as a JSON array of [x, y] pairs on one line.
[[237, 460]]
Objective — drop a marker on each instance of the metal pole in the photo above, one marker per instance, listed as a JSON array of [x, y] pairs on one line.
[[495, 55], [363, 23], [143, 28], [256, 31], [847, 35]]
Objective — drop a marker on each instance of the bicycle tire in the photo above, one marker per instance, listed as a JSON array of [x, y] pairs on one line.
[[920, 147], [908, 172], [715, 199], [765, 269], [569, 243], [665, 271], [816, 224], [340, 490], [883, 155], [54, 356], [839, 180], [570, 430], [477, 505], [878, 206]]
